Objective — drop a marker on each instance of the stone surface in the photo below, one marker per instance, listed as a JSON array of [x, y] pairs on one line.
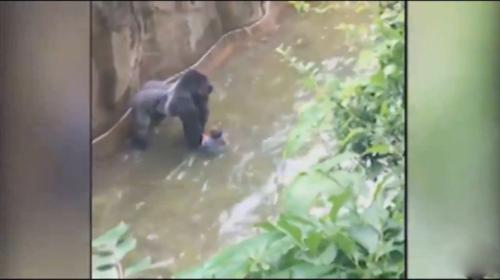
[[237, 14]]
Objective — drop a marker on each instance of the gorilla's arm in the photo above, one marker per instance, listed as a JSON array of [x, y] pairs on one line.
[[203, 112], [193, 129], [196, 85], [190, 117]]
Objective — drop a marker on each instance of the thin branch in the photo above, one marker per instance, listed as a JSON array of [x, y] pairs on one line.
[[120, 270]]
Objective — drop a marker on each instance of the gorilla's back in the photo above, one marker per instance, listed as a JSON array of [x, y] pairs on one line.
[[150, 93]]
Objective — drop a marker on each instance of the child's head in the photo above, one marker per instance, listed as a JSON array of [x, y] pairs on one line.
[[215, 133], [213, 141]]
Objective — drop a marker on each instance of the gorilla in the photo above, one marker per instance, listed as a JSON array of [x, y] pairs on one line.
[[187, 99]]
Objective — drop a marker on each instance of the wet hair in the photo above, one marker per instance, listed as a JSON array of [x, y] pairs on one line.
[[215, 133]]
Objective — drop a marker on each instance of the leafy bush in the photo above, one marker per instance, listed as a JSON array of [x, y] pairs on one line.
[[109, 250], [323, 232], [321, 7], [342, 217]]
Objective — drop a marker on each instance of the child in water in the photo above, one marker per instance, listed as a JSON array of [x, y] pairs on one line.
[[213, 142]]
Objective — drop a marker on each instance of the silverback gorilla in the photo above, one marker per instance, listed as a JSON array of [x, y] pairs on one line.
[[186, 99]]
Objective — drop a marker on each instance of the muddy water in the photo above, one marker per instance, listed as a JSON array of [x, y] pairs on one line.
[[182, 206]]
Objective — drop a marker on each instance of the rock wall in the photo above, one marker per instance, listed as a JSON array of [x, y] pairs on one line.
[[134, 41]]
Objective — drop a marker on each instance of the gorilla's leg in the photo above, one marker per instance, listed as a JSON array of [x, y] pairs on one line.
[[140, 137], [156, 119]]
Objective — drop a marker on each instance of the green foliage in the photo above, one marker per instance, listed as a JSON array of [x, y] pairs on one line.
[[322, 232], [306, 6], [301, 6], [109, 250], [368, 110], [342, 217]]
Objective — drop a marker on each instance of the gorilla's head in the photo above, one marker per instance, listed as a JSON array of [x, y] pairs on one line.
[[196, 83]]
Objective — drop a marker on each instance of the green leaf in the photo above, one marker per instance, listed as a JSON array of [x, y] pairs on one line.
[[380, 185], [330, 163], [378, 149], [114, 255], [267, 226], [384, 109], [375, 215], [356, 132], [347, 245], [378, 79], [308, 270], [234, 261], [295, 144], [366, 59], [312, 242], [280, 274], [328, 255], [366, 236], [124, 248], [278, 249], [332, 84], [311, 116], [101, 261], [111, 237], [110, 273], [290, 230], [390, 69], [299, 196], [338, 201], [309, 83], [305, 223], [400, 17], [348, 90]]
